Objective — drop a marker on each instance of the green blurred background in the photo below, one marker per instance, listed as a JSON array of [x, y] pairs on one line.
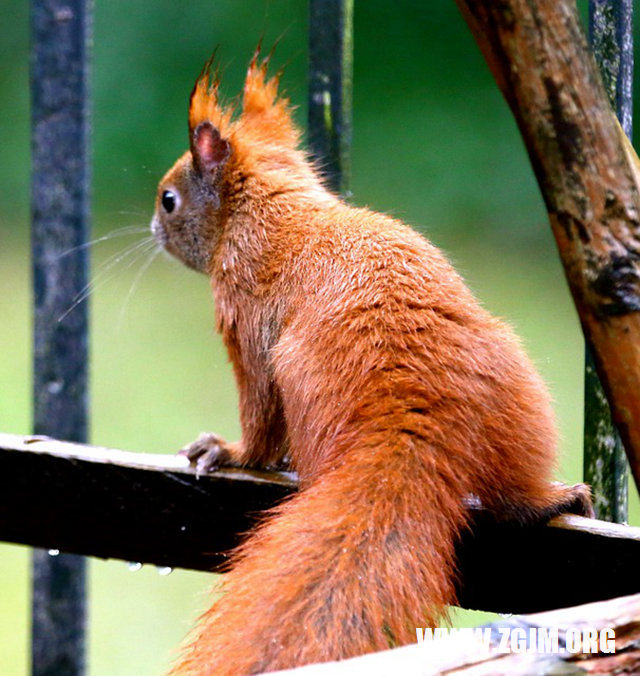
[[433, 144]]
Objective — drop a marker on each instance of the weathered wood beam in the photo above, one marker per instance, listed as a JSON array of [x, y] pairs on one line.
[[468, 654], [507, 568], [154, 509], [587, 174], [131, 506]]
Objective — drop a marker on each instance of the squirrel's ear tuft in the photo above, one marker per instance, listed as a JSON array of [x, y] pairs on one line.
[[262, 108], [203, 104], [209, 150]]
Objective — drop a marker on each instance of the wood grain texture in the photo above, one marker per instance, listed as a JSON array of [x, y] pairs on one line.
[[467, 655], [588, 178]]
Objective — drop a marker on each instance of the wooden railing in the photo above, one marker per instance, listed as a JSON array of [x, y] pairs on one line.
[[154, 509]]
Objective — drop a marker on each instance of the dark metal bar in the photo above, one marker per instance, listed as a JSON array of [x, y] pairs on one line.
[[605, 465], [611, 38], [606, 468], [330, 88], [60, 33]]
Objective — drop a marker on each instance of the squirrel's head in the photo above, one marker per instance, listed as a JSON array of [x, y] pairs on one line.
[[187, 219], [196, 195]]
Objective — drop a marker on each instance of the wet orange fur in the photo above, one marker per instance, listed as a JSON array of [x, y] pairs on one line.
[[359, 351]]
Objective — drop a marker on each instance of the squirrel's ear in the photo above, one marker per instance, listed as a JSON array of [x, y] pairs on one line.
[[209, 150]]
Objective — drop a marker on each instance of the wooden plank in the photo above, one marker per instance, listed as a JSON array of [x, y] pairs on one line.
[[571, 560], [557, 649], [154, 509], [137, 507]]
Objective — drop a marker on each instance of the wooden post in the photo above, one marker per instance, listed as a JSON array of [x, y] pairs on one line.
[[60, 33], [330, 86], [606, 468], [589, 177]]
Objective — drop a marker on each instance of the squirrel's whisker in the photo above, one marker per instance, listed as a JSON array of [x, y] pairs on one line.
[[132, 252], [154, 251], [120, 232]]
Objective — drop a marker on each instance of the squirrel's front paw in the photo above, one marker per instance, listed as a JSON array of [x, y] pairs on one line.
[[209, 451]]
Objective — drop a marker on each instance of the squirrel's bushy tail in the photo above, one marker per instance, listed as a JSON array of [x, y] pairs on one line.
[[350, 565]]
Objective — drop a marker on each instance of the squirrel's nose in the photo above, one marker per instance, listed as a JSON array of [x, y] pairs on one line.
[[158, 231]]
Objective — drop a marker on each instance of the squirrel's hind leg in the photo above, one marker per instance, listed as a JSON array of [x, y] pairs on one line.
[[556, 498]]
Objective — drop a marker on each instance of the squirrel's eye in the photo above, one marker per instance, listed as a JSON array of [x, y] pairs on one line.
[[169, 201]]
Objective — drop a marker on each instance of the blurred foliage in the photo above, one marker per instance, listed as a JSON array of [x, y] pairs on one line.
[[434, 144], [433, 140]]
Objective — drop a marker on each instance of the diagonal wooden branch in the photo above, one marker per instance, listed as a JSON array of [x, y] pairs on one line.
[[588, 175]]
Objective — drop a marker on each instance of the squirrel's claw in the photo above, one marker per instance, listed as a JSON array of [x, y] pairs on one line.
[[207, 453]]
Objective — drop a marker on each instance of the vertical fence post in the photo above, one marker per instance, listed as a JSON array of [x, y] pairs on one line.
[[330, 86], [60, 34], [605, 463]]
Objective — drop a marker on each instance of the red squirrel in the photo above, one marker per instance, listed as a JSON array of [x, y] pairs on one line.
[[362, 357]]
